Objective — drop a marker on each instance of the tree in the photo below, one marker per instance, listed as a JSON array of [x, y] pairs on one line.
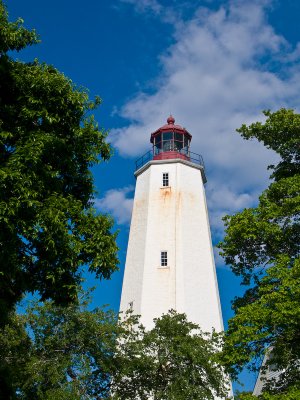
[[172, 361], [49, 231], [68, 354], [292, 394], [262, 246], [15, 348], [74, 353]]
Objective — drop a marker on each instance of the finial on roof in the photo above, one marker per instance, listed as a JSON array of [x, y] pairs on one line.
[[171, 120]]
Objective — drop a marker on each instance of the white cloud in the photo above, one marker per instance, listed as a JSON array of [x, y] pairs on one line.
[[118, 203], [222, 201], [219, 74]]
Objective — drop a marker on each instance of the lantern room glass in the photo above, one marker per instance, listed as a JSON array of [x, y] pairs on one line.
[[171, 141]]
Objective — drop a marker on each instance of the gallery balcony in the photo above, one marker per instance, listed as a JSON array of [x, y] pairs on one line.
[[156, 154]]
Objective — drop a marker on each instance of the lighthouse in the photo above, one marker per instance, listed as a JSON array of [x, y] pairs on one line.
[[170, 262]]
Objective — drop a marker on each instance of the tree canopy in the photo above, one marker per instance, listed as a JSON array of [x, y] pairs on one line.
[[174, 360], [262, 246], [67, 355], [49, 230], [74, 353]]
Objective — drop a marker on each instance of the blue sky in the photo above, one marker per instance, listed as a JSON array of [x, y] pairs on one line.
[[213, 64]]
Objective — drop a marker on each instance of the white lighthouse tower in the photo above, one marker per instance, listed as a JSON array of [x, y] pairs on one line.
[[170, 263]]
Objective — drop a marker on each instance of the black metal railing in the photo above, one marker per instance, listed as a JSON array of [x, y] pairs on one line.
[[189, 156]]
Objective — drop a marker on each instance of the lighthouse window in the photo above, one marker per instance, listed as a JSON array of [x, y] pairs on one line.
[[178, 141], [164, 258], [166, 179], [167, 141], [186, 145], [168, 135]]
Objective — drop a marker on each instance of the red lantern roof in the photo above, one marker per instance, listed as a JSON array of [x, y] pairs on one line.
[[171, 127]]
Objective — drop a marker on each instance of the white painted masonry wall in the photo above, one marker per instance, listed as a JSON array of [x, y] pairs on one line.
[[172, 219]]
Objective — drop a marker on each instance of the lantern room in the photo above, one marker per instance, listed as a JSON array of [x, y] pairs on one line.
[[171, 141]]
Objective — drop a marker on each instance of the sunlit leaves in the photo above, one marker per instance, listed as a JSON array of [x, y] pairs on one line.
[[13, 36]]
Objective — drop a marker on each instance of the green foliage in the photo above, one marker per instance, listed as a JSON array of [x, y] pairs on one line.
[[172, 361], [255, 237], [15, 347], [13, 36], [262, 246], [49, 230], [293, 393], [281, 133], [271, 319], [68, 354], [74, 353]]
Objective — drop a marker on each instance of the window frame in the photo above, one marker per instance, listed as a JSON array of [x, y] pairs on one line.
[[165, 179], [164, 258]]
